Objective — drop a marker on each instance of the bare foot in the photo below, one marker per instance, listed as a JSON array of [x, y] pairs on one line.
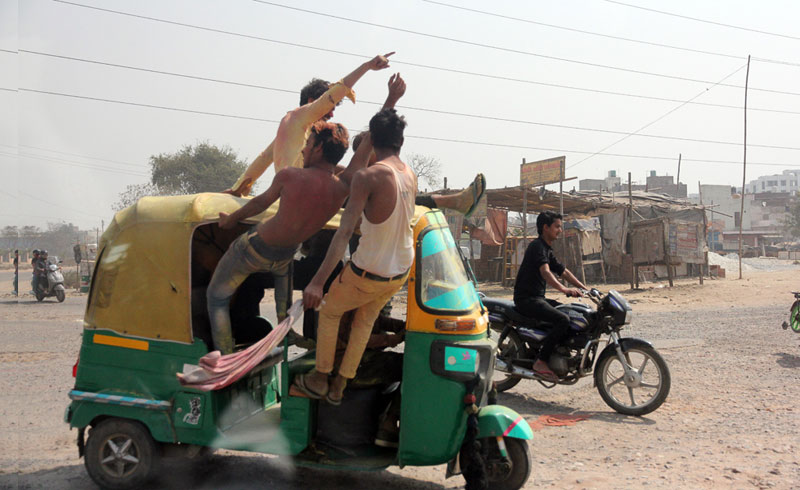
[[463, 201]]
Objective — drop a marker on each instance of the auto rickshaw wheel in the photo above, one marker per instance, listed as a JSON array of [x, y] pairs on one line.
[[506, 473], [120, 454]]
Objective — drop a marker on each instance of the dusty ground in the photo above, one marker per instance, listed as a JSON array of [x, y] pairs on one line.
[[732, 418]]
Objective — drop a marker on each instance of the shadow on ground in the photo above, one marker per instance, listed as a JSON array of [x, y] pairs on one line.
[[788, 360], [225, 472]]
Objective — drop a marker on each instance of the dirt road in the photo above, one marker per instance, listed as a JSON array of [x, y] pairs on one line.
[[732, 418]]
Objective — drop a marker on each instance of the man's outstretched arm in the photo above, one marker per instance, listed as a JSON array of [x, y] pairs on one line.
[[256, 205], [359, 194]]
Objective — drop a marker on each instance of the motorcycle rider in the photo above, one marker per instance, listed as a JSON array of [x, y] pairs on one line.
[[538, 269]]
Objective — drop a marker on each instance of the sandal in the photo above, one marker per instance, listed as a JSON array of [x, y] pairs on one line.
[[300, 384], [333, 401], [545, 373], [478, 189]]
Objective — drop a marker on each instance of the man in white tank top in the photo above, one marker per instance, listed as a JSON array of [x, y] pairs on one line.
[[384, 194]]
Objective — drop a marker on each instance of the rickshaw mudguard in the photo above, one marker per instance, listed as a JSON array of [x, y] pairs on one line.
[[81, 414], [497, 420]]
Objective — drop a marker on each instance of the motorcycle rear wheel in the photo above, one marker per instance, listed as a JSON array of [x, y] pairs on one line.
[[794, 317], [512, 348], [39, 296], [651, 385]]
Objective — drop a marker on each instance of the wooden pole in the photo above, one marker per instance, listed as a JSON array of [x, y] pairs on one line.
[[705, 233], [524, 212], [678, 184], [630, 217], [744, 165]]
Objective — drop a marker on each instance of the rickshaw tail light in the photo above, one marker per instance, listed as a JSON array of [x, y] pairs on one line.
[[455, 325], [75, 367]]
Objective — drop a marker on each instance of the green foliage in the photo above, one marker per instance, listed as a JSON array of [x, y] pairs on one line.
[[196, 168]]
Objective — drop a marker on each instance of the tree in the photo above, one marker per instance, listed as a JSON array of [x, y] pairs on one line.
[[199, 168], [194, 168], [792, 221], [427, 168]]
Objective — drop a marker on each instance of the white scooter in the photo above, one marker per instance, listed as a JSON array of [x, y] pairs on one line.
[[52, 284]]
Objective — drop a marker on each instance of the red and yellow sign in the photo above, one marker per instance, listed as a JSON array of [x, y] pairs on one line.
[[542, 172]]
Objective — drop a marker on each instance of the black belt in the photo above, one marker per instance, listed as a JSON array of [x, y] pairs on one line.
[[374, 277]]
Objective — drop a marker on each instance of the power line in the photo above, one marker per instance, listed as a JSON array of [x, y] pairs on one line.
[[137, 166], [9, 89], [608, 36], [152, 106], [415, 136], [511, 50], [660, 117], [417, 65], [422, 109], [704, 20], [8, 51], [72, 163], [60, 205]]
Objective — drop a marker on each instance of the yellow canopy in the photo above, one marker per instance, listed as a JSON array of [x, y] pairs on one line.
[[142, 285]]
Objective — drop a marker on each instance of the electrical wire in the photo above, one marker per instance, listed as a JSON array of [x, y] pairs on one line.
[[515, 51], [703, 20], [72, 163], [501, 145], [607, 36], [422, 109], [701, 93], [8, 51], [9, 89], [249, 36], [135, 165]]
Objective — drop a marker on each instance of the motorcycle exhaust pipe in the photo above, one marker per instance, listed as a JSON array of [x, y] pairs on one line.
[[503, 366]]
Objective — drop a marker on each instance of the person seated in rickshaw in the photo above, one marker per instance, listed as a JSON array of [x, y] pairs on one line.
[[384, 194]]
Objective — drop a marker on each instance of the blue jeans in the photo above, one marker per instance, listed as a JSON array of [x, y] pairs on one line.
[[234, 267]]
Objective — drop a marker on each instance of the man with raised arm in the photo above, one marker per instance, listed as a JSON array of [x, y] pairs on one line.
[[384, 194], [310, 197]]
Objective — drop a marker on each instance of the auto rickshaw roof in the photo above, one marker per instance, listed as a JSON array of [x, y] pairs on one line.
[[142, 284]]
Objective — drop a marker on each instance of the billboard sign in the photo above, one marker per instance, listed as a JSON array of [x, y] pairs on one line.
[[543, 172]]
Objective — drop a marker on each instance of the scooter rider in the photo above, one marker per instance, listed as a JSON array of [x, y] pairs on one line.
[[537, 271], [34, 265]]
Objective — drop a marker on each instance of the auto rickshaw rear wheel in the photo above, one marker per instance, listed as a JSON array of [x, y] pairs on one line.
[[120, 454], [502, 473]]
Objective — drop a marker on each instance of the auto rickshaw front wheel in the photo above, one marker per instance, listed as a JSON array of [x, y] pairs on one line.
[[120, 454], [509, 473]]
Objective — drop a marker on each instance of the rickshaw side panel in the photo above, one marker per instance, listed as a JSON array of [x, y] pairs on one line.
[[112, 366], [433, 417]]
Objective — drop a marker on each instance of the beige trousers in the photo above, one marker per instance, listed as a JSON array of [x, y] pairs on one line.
[[351, 292]]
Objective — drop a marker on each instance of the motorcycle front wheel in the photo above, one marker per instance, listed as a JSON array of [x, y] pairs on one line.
[[511, 348], [60, 295], [644, 390], [794, 317]]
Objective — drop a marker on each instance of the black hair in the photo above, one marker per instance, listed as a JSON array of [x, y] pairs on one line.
[[313, 90], [386, 128], [546, 218], [334, 140]]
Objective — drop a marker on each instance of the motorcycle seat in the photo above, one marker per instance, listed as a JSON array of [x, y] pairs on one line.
[[506, 308]]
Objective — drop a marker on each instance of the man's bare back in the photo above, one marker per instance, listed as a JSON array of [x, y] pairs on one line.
[[309, 198]]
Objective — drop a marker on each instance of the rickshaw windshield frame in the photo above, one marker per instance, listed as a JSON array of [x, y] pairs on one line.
[[441, 252]]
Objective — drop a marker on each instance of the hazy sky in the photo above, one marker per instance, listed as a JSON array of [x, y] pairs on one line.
[[67, 159]]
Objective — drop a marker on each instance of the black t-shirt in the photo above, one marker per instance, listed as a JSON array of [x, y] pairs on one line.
[[530, 282]]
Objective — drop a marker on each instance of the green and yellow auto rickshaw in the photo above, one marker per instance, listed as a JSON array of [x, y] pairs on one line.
[[146, 317]]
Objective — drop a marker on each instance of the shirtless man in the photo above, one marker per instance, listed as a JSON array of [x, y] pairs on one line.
[[310, 197], [384, 193]]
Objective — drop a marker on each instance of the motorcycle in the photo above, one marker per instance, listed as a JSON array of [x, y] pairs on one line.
[[630, 375], [794, 314], [52, 282]]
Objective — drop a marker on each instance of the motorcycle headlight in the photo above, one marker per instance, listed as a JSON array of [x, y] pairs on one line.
[[53, 267]]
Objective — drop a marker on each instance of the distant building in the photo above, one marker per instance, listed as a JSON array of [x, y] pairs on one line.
[[788, 181], [665, 184], [611, 183]]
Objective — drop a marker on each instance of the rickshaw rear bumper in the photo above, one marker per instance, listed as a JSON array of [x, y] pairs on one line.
[[500, 421]]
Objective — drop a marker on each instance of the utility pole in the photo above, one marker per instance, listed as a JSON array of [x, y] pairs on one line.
[[744, 165], [630, 217], [524, 212], [678, 184]]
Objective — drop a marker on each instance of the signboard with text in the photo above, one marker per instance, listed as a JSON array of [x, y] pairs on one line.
[[543, 172]]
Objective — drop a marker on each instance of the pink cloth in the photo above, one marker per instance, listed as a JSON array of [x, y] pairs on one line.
[[215, 371]]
